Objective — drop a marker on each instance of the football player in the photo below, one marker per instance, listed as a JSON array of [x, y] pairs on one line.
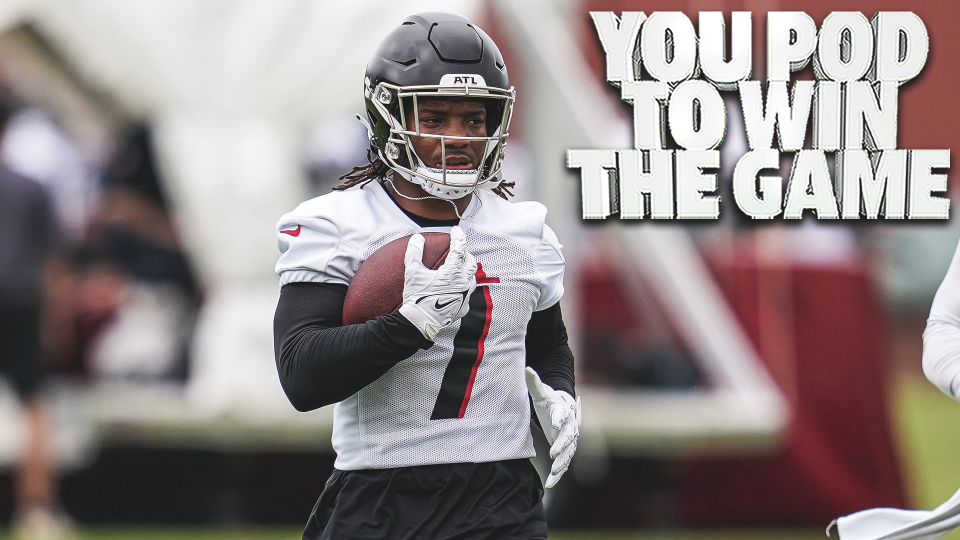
[[432, 416]]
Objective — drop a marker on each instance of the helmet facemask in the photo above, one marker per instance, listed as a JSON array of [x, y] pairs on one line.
[[391, 103]]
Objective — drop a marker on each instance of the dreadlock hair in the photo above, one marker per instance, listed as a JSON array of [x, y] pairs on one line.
[[376, 169], [504, 190], [361, 174]]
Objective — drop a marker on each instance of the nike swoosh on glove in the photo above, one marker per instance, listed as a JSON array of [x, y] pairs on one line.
[[559, 416], [433, 299]]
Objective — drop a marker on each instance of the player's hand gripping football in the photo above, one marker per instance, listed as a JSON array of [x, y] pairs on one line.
[[559, 416], [433, 299]]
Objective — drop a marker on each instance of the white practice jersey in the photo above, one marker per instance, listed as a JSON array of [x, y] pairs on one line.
[[464, 399]]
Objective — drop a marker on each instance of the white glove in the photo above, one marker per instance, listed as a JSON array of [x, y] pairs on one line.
[[559, 416], [432, 299]]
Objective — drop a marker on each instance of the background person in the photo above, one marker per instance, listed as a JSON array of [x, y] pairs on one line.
[[28, 240]]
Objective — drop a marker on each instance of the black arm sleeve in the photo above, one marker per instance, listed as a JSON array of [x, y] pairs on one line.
[[322, 362], [548, 352]]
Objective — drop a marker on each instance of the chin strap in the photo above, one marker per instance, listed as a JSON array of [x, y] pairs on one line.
[[455, 209]]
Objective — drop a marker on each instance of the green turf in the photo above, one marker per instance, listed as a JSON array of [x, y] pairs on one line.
[[929, 425]]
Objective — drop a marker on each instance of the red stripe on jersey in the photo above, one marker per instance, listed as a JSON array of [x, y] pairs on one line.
[[483, 338], [483, 278]]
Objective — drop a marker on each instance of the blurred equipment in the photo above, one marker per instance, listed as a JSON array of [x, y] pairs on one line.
[[132, 235]]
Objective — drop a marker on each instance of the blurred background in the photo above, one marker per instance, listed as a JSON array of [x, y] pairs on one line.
[[761, 378]]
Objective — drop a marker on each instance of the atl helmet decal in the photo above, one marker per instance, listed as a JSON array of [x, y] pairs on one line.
[[459, 79]]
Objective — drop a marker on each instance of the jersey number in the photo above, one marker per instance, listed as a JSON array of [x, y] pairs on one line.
[[461, 372]]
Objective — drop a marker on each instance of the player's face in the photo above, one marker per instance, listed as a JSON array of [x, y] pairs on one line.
[[458, 117]]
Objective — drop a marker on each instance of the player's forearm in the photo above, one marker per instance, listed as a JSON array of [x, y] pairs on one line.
[[321, 362], [556, 369], [548, 351], [320, 366]]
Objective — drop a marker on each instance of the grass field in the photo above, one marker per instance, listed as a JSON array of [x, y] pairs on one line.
[[929, 426], [927, 421]]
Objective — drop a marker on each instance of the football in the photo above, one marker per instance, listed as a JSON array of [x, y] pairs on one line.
[[377, 288]]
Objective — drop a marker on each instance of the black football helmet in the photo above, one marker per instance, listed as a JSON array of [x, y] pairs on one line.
[[437, 55]]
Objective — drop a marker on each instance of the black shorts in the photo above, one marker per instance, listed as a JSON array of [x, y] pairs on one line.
[[500, 500], [20, 347]]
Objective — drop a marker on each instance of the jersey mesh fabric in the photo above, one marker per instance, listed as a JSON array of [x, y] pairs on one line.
[[395, 411], [389, 423]]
